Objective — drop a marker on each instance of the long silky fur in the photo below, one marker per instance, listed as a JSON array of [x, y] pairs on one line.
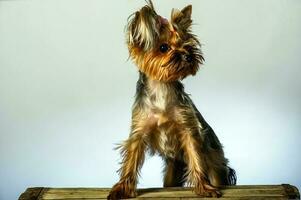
[[165, 120], [141, 29]]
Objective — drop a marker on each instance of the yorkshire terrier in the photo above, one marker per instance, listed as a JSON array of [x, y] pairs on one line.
[[164, 118]]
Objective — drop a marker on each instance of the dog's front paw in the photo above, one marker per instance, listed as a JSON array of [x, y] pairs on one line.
[[121, 190], [206, 190]]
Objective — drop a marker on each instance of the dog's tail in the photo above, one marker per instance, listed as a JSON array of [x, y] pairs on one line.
[[232, 176]]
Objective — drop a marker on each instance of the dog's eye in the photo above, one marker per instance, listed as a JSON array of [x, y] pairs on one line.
[[164, 48]]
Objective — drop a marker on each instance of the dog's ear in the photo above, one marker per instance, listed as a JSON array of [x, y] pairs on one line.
[[142, 28], [182, 19], [187, 11]]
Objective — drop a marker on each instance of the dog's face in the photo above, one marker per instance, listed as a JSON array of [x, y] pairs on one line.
[[163, 50]]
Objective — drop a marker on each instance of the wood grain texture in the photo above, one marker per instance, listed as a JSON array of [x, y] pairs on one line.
[[241, 192], [31, 194]]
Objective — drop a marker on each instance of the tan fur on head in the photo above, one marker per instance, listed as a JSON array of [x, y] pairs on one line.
[[142, 28], [147, 32]]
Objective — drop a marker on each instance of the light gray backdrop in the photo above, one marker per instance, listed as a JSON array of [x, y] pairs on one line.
[[66, 89]]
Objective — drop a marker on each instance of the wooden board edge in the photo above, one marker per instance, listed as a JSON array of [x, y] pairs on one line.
[[291, 192], [31, 193], [36, 193]]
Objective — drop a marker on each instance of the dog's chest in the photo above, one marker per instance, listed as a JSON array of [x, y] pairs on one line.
[[161, 104]]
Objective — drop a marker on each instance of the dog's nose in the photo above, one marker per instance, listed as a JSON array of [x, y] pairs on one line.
[[178, 55], [188, 58]]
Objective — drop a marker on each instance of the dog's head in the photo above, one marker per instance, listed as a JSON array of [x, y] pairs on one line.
[[163, 50]]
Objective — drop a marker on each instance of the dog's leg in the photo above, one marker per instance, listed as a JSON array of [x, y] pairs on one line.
[[132, 159], [196, 171], [218, 176], [174, 173]]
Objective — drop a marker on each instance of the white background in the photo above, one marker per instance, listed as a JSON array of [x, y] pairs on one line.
[[66, 89]]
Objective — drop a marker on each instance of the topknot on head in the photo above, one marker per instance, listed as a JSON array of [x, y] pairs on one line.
[[142, 27]]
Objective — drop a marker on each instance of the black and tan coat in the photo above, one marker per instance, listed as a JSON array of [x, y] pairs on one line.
[[164, 119]]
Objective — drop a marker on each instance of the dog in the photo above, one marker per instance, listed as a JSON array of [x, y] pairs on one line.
[[165, 121]]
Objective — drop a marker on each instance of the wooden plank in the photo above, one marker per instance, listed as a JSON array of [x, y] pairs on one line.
[[291, 191], [31, 194], [241, 192]]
